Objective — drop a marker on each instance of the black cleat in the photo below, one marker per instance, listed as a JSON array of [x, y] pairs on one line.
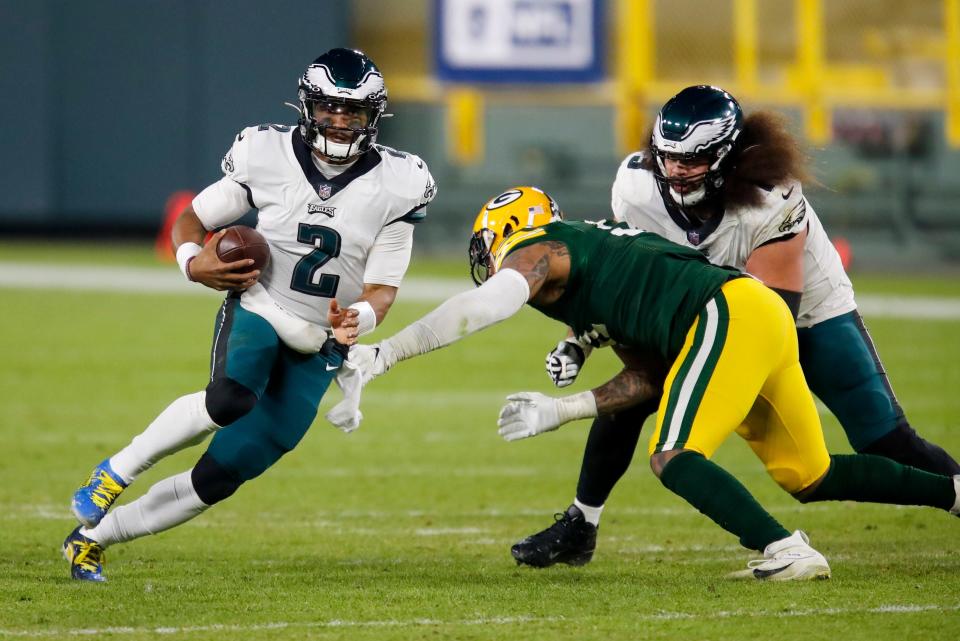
[[569, 540]]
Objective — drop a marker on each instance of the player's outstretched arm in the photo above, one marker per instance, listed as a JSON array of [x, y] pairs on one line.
[[519, 279], [530, 413], [502, 296]]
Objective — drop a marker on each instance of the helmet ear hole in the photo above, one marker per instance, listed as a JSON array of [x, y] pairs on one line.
[[508, 229]]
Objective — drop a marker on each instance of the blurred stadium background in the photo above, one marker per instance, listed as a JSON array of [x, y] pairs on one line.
[[118, 105]]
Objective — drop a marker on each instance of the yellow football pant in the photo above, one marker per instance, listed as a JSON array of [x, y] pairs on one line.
[[739, 370]]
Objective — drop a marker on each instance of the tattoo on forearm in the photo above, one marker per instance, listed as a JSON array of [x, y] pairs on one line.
[[628, 388]]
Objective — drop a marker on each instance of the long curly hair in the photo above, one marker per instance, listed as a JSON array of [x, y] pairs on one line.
[[767, 154]]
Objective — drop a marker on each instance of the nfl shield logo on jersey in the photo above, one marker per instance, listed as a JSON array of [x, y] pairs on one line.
[[324, 191], [693, 237]]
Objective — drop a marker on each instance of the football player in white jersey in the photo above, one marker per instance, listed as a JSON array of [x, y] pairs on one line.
[[337, 211], [732, 187]]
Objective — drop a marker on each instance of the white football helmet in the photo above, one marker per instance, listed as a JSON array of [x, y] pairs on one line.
[[341, 81], [699, 123]]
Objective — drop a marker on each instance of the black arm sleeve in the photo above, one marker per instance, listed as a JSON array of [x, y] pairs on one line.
[[791, 298]]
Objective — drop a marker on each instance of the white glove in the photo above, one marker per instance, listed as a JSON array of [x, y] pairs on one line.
[[346, 415], [530, 413], [565, 361], [372, 360]]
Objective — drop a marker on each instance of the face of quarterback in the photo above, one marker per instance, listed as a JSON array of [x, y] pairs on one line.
[[686, 175], [340, 119]]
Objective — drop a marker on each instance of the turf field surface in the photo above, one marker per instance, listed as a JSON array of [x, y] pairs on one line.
[[402, 529]]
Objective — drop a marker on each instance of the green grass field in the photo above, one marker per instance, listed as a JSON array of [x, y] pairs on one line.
[[402, 529]]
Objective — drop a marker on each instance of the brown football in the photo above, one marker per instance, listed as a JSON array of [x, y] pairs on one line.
[[242, 242]]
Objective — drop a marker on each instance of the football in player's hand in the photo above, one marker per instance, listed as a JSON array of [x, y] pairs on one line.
[[241, 242]]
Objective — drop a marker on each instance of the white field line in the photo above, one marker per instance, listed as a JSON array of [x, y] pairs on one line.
[[153, 280], [280, 625], [812, 612], [893, 609]]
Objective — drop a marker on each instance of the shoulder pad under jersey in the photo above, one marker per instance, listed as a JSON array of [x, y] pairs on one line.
[[407, 176], [783, 212], [633, 187], [236, 162]]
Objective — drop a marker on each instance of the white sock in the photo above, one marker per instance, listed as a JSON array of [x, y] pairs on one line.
[[185, 422], [168, 503], [590, 514]]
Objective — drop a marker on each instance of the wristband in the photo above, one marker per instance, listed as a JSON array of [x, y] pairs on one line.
[[367, 318], [575, 406], [185, 253]]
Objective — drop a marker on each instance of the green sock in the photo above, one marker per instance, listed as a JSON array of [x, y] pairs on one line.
[[716, 493], [875, 479]]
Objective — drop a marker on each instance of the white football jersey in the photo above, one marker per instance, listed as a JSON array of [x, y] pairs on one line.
[[827, 291], [322, 231]]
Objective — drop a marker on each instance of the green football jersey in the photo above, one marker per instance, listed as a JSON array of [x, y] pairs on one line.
[[638, 288]]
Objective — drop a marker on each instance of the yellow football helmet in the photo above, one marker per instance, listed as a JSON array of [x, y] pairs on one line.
[[516, 208]]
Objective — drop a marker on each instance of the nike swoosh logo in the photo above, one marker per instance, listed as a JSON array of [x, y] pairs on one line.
[[240, 136], [330, 367], [766, 574], [787, 195]]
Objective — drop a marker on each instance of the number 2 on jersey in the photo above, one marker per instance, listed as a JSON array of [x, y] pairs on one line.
[[306, 274]]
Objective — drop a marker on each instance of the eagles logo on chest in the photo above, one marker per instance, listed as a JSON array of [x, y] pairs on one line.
[[327, 210]]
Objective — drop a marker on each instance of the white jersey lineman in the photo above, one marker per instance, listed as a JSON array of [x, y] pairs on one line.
[[327, 236], [827, 292]]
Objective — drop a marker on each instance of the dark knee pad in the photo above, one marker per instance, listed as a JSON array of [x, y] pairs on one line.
[[213, 482], [905, 446], [227, 400]]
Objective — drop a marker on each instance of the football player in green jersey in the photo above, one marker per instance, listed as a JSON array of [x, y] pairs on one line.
[[734, 367], [731, 185]]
